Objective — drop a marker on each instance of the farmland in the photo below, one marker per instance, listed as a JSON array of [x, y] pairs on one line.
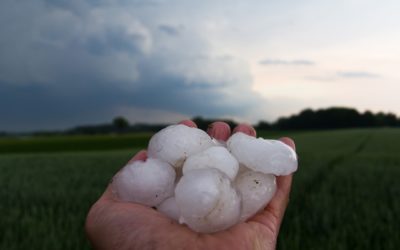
[[344, 196]]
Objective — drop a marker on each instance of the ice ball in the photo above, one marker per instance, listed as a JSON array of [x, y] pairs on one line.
[[175, 143], [256, 190], [146, 182], [207, 184], [207, 201], [214, 157], [170, 208], [266, 156]]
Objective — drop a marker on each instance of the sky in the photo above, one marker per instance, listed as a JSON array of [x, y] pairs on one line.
[[68, 62]]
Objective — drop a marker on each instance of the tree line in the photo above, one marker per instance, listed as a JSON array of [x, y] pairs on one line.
[[308, 119], [332, 118]]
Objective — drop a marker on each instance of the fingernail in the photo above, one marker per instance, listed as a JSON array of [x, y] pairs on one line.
[[245, 128], [139, 156], [288, 141], [188, 123], [219, 131]]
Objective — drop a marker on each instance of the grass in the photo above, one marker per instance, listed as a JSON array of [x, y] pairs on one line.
[[74, 143], [45, 197], [344, 196]]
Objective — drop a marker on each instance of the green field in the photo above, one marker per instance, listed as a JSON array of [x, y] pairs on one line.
[[346, 194]]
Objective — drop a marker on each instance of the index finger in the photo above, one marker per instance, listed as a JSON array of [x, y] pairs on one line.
[[245, 128], [219, 130]]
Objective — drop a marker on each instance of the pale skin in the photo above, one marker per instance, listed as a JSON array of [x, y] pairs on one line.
[[112, 224]]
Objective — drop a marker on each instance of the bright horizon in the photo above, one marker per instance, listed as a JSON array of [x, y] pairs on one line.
[[67, 63]]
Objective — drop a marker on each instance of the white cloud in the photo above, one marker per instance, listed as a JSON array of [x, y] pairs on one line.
[[357, 74]]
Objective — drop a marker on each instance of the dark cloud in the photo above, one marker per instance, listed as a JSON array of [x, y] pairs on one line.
[[87, 64], [115, 38], [81, 6], [34, 106], [357, 74], [174, 93], [169, 30], [298, 62]]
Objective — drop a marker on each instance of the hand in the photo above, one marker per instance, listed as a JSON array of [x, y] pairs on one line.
[[113, 224]]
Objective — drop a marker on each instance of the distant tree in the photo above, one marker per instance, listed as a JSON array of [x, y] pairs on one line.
[[321, 119], [388, 119], [263, 125], [368, 119], [330, 118], [391, 119], [336, 117], [200, 122], [120, 123]]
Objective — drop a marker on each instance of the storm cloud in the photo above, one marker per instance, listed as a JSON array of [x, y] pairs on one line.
[[70, 62], [65, 63]]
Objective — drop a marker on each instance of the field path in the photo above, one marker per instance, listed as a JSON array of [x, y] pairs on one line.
[[322, 173]]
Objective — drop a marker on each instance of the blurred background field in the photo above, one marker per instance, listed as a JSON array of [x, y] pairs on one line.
[[345, 194]]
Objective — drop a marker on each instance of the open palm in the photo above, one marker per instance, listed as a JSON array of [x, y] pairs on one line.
[[113, 224]]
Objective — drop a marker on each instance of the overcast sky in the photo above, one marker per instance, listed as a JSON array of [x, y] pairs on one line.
[[69, 62]]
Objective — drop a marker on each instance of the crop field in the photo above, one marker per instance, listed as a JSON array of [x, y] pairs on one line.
[[345, 195]]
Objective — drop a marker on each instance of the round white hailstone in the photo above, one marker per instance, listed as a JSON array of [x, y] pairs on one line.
[[169, 208], [146, 182], [214, 157], [256, 189], [266, 156], [175, 143], [207, 200]]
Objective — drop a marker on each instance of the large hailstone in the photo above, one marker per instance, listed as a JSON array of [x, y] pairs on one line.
[[205, 183], [266, 156], [256, 190], [146, 182], [175, 143], [207, 201], [214, 157], [170, 208]]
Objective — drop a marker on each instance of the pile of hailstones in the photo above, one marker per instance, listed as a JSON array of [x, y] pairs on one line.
[[204, 183]]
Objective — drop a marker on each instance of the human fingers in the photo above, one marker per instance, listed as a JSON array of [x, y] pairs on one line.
[[188, 123], [277, 205], [219, 130], [288, 141], [139, 156], [284, 185], [245, 128]]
